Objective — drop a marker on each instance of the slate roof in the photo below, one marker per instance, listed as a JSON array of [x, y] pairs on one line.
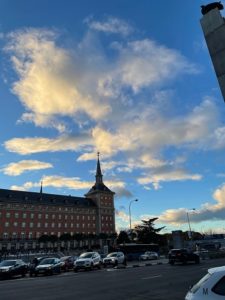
[[24, 197]]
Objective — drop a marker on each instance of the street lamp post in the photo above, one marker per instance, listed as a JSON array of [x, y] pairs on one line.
[[189, 223], [135, 200]]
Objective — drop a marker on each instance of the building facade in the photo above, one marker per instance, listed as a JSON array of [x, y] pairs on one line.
[[27, 216], [213, 26]]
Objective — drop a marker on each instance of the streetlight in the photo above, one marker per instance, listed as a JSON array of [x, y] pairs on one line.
[[135, 200], [189, 224]]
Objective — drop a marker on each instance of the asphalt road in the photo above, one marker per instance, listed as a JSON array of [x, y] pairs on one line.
[[156, 282]]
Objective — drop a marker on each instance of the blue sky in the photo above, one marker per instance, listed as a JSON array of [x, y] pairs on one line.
[[130, 79]]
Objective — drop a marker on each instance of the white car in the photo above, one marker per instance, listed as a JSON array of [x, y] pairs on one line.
[[211, 286], [88, 261], [114, 259], [149, 255]]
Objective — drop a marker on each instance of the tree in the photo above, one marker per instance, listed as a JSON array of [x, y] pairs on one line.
[[123, 237], [147, 233]]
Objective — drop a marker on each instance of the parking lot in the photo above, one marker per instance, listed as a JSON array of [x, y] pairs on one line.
[[153, 280]]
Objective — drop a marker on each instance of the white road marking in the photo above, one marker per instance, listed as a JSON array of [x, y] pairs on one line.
[[150, 277]]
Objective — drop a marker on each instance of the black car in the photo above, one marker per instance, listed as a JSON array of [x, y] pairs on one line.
[[183, 256], [36, 261], [13, 267]]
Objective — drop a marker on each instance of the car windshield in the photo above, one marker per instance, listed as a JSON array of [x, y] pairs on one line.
[[196, 287], [64, 258], [86, 255], [47, 261], [7, 263], [112, 255]]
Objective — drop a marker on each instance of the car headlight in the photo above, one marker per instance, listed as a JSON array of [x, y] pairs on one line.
[[49, 268]]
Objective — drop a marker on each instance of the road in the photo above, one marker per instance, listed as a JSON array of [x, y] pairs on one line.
[[156, 282]]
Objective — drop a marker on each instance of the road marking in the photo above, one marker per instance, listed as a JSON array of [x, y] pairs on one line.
[[150, 277]]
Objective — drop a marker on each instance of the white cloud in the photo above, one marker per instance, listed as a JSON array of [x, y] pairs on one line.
[[15, 169], [207, 212], [49, 78], [144, 63], [25, 146], [110, 25], [73, 183]]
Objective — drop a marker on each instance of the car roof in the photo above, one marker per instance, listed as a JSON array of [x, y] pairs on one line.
[[217, 270]]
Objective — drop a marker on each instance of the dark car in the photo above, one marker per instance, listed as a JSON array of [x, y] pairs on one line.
[[183, 256], [13, 267], [35, 262], [48, 266], [67, 262]]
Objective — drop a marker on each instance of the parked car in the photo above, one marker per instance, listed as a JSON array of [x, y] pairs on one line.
[[211, 286], [149, 255], [48, 266], [88, 261], [114, 259], [67, 262], [35, 262], [13, 267], [183, 256]]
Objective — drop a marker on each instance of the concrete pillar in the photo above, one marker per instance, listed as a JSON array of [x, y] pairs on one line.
[[213, 26]]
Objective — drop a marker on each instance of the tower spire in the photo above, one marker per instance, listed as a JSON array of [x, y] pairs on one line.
[[98, 175]]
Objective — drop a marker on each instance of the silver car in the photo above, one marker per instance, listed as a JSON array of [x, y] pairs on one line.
[[88, 261]]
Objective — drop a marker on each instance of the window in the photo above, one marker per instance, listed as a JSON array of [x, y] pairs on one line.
[[24, 215], [23, 235], [59, 225], [31, 225], [15, 224], [71, 217], [78, 217], [7, 215], [5, 235], [53, 217], [60, 217], [16, 215], [46, 216], [65, 225], [46, 225], [14, 235], [219, 287], [23, 224], [78, 225], [71, 225], [31, 216], [38, 225], [53, 225], [30, 235], [6, 224], [39, 216]]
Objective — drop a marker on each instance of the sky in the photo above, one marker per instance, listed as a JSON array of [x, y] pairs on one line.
[[130, 79]]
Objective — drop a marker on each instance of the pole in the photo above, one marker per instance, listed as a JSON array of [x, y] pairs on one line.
[[130, 210], [189, 225]]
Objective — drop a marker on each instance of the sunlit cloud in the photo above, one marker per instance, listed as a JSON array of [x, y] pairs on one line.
[[15, 169], [60, 182], [25, 146], [206, 212]]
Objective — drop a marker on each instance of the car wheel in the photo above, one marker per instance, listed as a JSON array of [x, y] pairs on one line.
[[171, 262]]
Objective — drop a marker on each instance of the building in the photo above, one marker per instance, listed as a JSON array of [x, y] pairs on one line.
[[213, 26], [26, 216]]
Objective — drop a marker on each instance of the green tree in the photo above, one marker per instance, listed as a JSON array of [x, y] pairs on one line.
[[147, 233], [123, 237]]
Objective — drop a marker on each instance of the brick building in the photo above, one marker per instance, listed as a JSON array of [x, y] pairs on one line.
[[26, 216]]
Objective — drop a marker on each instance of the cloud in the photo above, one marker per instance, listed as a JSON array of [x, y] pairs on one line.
[[25, 146], [110, 25], [73, 183], [172, 175], [144, 63], [49, 78], [122, 216], [15, 169], [207, 212]]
